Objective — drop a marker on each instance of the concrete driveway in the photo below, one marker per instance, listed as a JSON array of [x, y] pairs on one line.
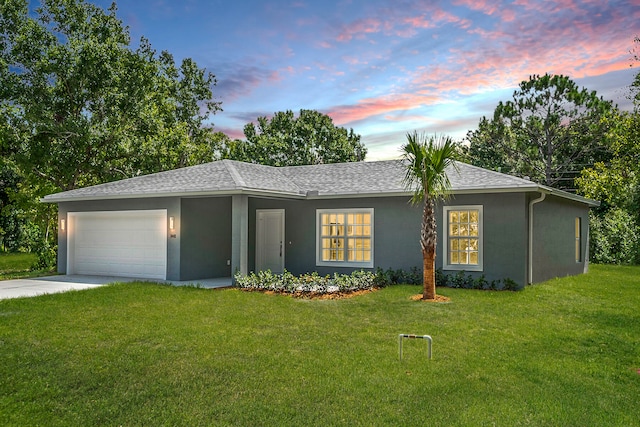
[[18, 288]]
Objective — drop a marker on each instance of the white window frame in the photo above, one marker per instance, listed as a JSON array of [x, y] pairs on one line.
[[445, 244], [345, 211]]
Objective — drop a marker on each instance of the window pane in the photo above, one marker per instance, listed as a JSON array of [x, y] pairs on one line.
[[454, 258], [454, 230], [464, 244], [366, 219], [473, 244], [453, 216], [473, 229], [463, 258], [453, 243], [366, 230], [464, 216], [474, 216], [473, 258]]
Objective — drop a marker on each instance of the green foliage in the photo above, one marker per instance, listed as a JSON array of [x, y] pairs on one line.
[[80, 106], [548, 132], [461, 280], [398, 276], [634, 88], [615, 238], [46, 256], [615, 225], [306, 284], [85, 107], [428, 158], [287, 140]]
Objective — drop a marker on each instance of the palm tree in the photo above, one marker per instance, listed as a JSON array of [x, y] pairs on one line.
[[427, 158]]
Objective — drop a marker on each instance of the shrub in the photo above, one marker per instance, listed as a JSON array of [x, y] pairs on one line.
[[466, 281], [615, 238], [306, 283], [392, 276], [46, 257]]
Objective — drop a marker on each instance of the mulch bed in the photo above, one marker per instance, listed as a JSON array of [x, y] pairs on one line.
[[342, 295], [318, 295], [438, 298]]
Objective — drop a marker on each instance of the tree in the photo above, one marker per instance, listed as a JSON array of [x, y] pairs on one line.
[[79, 105], [548, 132], [87, 107], [634, 88], [427, 159], [286, 140], [615, 230]]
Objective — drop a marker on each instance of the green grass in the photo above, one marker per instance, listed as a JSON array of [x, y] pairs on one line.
[[17, 265], [562, 353]]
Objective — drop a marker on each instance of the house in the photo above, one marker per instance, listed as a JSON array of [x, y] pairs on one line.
[[215, 219]]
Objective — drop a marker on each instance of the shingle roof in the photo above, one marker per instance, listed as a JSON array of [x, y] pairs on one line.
[[328, 180]]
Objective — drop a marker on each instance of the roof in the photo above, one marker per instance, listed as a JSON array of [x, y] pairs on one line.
[[356, 179]]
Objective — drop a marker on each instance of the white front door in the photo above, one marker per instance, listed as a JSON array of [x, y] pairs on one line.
[[270, 240]]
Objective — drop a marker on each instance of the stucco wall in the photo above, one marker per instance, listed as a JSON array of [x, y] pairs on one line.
[[171, 204], [504, 235], [206, 238], [554, 238], [396, 232]]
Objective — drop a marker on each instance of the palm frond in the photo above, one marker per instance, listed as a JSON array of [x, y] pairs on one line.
[[427, 159]]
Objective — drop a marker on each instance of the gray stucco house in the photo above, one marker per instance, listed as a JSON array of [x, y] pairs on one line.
[[215, 219]]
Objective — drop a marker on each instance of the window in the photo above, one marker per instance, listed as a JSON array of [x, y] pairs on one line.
[[463, 238], [345, 237], [578, 234]]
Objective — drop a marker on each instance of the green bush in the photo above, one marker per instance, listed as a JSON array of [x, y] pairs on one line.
[[398, 276], [46, 256], [462, 280], [615, 238], [310, 283]]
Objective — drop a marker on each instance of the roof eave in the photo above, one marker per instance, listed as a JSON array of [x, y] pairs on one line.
[[208, 193]]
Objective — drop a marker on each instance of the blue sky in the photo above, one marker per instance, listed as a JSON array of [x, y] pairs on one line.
[[385, 68]]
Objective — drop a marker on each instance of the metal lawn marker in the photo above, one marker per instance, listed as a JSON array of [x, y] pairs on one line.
[[411, 336]]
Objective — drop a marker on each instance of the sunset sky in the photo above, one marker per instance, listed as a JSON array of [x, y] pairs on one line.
[[385, 68]]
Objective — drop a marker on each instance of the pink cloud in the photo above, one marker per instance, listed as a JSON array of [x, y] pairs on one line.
[[359, 27], [370, 107]]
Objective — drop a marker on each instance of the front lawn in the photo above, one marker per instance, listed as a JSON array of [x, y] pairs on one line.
[[566, 352], [18, 265]]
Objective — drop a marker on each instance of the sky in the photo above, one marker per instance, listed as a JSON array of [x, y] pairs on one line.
[[386, 68]]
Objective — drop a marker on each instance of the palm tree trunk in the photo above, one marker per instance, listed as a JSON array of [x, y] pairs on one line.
[[428, 241], [429, 275]]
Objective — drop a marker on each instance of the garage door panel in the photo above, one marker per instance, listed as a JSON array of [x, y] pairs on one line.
[[119, 243]]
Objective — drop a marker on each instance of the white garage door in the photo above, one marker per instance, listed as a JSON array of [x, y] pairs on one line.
[[118, 243]]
